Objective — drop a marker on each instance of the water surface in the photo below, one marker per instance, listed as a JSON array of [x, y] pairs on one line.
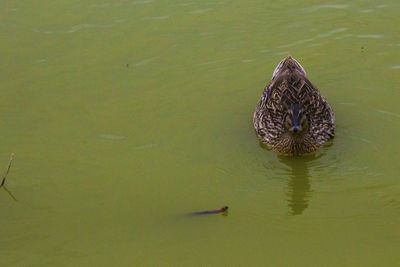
[[126, 115]]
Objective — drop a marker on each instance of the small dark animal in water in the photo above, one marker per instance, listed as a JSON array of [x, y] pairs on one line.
[[223, 209], [292, 117]]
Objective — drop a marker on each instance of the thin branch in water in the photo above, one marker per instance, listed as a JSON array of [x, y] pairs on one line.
[[8, 170]]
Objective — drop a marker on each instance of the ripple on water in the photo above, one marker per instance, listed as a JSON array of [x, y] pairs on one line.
[[141, 2], [382, 6], [318, 36], [388, 113], [80, 27], [370, 36], [107, 5], [200, 11], [119, 4], [156, 18], [331, 32], [316, 44], [220, 3], [146, 61], [216, 61], [86, 26], [183, 4], [296, 43], [366, 11], [41, 60], [318, 7], [344, 36], [147, 146]]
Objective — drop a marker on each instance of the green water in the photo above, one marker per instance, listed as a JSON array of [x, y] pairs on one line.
[[126, 115]]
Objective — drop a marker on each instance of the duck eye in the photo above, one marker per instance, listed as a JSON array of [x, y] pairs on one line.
[[303, 121], [288, 123]]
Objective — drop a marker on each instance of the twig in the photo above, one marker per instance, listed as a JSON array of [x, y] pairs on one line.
[[8, 169]]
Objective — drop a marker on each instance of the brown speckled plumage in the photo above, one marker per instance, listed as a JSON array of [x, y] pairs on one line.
[[289, 86]]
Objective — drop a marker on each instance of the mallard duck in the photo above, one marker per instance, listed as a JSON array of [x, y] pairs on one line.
[[292, 117]]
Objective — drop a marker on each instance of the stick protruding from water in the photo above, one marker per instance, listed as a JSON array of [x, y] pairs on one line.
[[8, 170]]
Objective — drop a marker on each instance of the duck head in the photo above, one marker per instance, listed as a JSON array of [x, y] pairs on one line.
[[296, 122]]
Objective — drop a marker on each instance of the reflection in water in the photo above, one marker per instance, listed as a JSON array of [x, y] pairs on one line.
[[299, 187], [10, 194]]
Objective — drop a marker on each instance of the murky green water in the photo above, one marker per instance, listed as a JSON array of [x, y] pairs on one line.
[[126, 115]]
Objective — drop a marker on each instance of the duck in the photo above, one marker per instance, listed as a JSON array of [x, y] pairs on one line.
[[292, 117]]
